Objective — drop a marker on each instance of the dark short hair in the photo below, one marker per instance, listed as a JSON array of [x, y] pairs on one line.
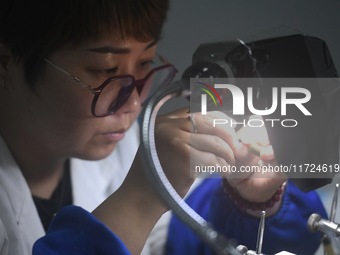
[[33, 29]]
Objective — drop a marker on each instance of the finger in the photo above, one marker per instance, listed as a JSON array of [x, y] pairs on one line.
[[212, 144], [179, 113], [267, 153], [205, 124], [202, 162], [270, 170]]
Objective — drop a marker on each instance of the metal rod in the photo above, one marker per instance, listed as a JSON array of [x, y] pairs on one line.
[[260, 233]]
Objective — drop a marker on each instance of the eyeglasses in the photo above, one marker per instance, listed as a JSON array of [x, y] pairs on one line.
[[115, 91]]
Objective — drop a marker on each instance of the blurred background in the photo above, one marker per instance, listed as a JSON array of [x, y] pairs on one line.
[[192, 22]]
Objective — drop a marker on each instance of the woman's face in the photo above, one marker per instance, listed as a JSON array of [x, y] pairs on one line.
[[55, 116]]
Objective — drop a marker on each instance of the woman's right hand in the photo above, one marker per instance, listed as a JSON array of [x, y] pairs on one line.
[[181, 148]]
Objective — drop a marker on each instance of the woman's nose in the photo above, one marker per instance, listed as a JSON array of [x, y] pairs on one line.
[[132, 104]]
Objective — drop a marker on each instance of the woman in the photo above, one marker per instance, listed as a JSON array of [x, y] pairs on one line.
[[73, 75]]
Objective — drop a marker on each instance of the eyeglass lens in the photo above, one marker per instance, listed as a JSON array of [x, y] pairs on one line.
[[118, 90]]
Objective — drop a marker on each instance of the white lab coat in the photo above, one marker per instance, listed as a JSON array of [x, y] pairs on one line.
[[92, 182]]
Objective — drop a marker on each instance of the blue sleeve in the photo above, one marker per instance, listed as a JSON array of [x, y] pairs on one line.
[[286, 230], [76, 231]]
